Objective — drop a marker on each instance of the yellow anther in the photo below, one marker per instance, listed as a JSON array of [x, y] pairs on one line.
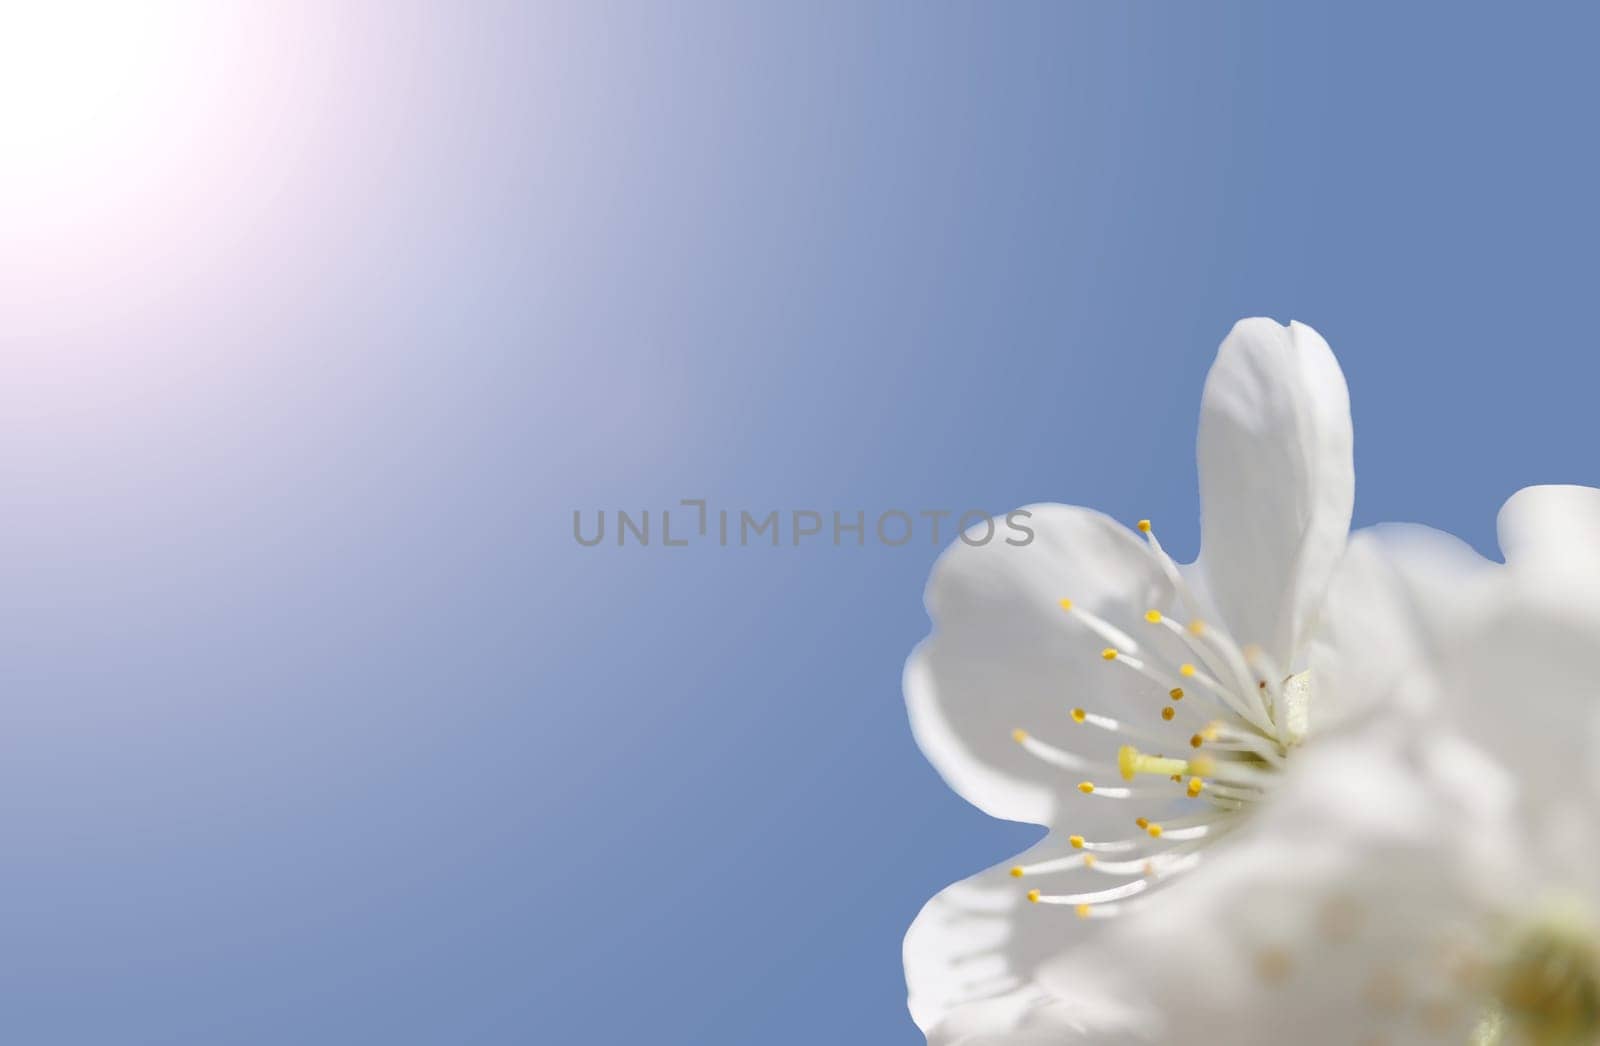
[[1083, 911], [1176, 693], [1197, 627], [1195, 784], [1109, 653], [1033, 895], [1016, 872], [1131, 762], [1076, 841], [1168, 712], [1186, 670], [1086, 787], [1144, 526], [1019, 736], [1088, 860], [1066, 604], [1155, 831], [1078, 715], [1153, 616], [1141, 822], [1177, 778], [1196, 741]]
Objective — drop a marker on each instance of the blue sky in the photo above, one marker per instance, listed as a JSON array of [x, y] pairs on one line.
[[320, 725]]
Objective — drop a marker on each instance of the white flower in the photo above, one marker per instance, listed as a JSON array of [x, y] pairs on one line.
[[1138, 708], [1522, 688], [1439, 881]]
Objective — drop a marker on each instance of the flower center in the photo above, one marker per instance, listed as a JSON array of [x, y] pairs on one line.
[[1549, 989], [1230, 712]]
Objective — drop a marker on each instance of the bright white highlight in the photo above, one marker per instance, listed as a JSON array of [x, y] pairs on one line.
[[83, 82]]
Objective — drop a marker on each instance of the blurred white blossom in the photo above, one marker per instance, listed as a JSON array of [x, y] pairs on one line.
[[1439, 880]]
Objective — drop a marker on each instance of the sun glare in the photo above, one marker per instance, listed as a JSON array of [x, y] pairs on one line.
[[82, 81]]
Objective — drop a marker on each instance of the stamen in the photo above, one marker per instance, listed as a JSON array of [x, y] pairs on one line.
[[1188, 671], [1222, 791], [1249, 709], [1154, 869], [1166, 682], [1230, 772], [1223, 643], [1223, 738], [1273, 688], [1173, 686], [1169, 568], [1116, 846], [1202, 816], [1119, 792], [1251, 713], [1114, 893], [1059, 864], [1145, 866], [1112, 635], [1199, 831], [1054, 756], [1115, 726]]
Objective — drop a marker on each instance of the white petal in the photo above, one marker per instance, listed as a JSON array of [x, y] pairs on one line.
[[1042, 1019], [1004, 656], [1524, 687], [1276, 481], [1401, 593], [972, 954], [979, 941], [1551, 527]]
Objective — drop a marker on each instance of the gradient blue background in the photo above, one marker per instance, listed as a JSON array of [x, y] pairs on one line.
[[319, 726]]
